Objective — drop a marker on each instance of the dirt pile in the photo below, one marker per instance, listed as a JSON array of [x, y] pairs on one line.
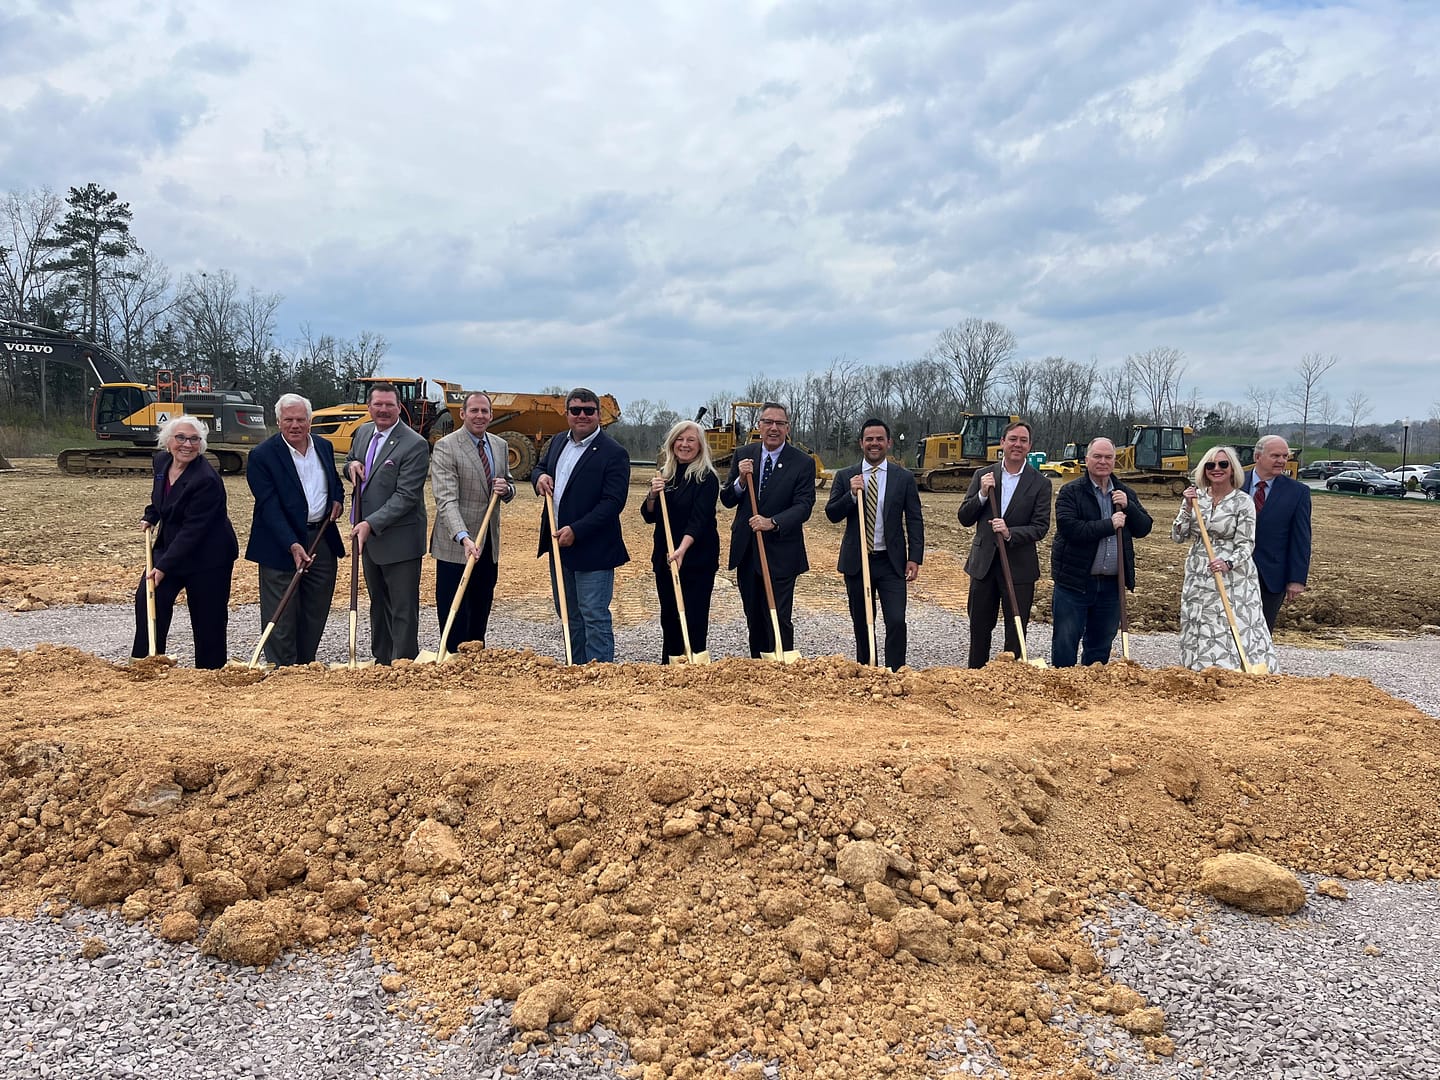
[[820, 863]]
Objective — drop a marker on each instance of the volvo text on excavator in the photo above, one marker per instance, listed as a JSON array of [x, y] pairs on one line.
[[126, 412]]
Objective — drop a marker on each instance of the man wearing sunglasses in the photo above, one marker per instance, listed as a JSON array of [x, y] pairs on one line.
[[588, 474]]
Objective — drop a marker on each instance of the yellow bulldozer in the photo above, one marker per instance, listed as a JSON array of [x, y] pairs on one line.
[[725, 437], [1155, 456], [947, 460], [433, 407]]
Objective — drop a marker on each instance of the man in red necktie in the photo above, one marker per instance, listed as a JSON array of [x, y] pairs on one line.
[[1282, 527]]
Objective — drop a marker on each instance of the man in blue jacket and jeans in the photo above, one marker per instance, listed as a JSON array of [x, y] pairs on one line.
[[588, 474], [1096, 518]]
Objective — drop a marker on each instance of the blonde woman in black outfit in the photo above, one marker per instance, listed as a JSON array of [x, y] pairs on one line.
[[691, 486]]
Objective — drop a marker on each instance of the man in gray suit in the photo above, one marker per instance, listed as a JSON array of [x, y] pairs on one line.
[[388, 461], [1024, 494], [466, 468], [894, 546]]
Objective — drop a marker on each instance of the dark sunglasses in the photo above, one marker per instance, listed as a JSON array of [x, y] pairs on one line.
[[1219, 465], [584, 410]]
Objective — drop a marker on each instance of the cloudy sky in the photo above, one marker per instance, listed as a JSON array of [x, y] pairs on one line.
[[662, 197]]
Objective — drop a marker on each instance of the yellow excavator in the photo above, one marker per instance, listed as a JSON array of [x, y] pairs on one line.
[[947, 460], [126, 412], [1155, 456]]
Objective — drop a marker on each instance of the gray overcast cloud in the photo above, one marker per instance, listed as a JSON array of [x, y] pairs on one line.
[[660, 199]]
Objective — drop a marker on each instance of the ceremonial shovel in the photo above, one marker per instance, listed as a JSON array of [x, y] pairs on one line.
[[559, 577], [426, 656], [1010, 584], [150, 531], [285, 598], [781, 654], [354, 582], [865, 581], [690, 656], [1120, 581], [1245, 665]]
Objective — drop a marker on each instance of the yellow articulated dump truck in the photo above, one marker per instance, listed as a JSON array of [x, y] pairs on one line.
[[433, 407]]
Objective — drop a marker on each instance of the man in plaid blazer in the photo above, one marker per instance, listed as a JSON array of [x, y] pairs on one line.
[[466, 466]]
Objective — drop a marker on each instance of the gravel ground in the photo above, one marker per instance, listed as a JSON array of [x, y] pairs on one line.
[[1291, 999], [145, 1009], [1343, 988]]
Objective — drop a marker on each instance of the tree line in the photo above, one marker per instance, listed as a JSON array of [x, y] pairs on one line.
[[74, 265], [975, 368]]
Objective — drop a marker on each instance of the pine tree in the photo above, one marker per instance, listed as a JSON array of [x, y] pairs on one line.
[[94, 235]]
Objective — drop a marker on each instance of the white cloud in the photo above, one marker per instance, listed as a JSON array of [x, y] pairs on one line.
[[659, 194]]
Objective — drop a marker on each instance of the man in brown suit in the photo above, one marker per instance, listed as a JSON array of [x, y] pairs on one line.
[[466, 466], [1024, 494]]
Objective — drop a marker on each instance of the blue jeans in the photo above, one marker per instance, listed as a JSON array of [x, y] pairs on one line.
[[587, 598], [1092, 616]]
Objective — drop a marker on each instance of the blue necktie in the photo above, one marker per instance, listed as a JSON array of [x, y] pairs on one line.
[[765, 472]]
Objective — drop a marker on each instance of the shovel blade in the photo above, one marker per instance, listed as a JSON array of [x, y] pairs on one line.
[[425, 656], [789, 656], [693, 658]]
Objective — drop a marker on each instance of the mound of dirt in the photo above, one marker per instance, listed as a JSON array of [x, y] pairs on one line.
[[823, 863]]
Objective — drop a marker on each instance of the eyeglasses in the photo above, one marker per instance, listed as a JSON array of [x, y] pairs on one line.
[[584, 410], [1218, 465], [774, 423], [186, 438]]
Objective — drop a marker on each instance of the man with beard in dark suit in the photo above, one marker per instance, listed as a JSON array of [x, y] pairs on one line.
[[784, 477], [297, 495], [894, 546]]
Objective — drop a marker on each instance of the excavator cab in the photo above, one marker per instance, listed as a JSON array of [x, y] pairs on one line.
[[1157, 448], [115, 407]]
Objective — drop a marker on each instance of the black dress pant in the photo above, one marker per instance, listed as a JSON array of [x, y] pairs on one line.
[[207, 594], [473, 618], [696, 587], [394, 590], [1270, 604], [757, 606], [987, 598], [890, 588], [298, 630]]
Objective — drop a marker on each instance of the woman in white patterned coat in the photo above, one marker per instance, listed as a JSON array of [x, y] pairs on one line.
[[1205, 637]]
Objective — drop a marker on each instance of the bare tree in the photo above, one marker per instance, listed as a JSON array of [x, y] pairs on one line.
[[1020, 385], [135, 301], [209, 313], [639, 411], [1117, 387], [1064, 390], [28, 288], [973, 352], [255, 333], [1357, 409], [1302, 393], [1262, 401], [1158, 372]]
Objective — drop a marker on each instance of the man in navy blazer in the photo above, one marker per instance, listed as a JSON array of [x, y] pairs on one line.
[[896, 548], [298, 495], [784, 477], [588, 474], [1282, 527]]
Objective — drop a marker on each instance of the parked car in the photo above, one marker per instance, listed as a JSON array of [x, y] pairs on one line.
[[1316, 470], [1430, 484], [1405, 472], [1365, 482]]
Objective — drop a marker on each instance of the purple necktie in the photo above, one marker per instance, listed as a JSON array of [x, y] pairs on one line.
[[370, 457]]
